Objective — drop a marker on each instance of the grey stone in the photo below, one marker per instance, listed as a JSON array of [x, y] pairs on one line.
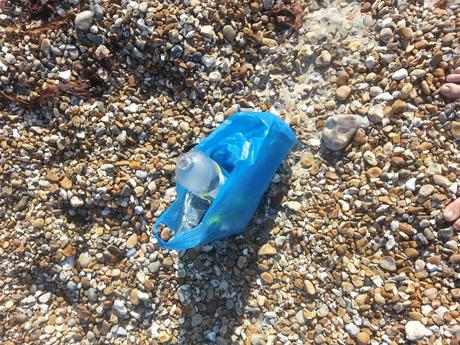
[[98, 11], [121, 138], [84, 20], [446, 234], [421, 239], [84, 259], [257, 339], [184, 294], [154, 267], [375, 91], [268, 4], [119, 307], [352, 329], [197, 320], [388, 264], [92, 295], [300, 317], [121, 332], [339, 130], [208, 31], [229, 33], [441, 181], [426, 190], [10, 59]]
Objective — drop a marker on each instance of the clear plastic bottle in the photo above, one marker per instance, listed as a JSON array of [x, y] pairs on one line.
[[199, 174]]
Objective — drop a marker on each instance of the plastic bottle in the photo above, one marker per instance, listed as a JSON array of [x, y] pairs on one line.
[[199, 174]]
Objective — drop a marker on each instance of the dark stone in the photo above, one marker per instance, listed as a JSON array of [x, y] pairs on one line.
[[176, 52], [446, 234]]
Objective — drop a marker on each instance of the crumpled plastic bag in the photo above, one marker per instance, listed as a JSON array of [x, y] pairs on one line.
[[249, 147]]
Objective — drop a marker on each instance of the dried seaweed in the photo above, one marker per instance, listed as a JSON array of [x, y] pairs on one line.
[[15, 99], [288, 15], [441, 4], [298, 10], [72, 88], [57, 23], [41, 9]]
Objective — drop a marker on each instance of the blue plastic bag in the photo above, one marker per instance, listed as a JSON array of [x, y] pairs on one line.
[[249, 147]]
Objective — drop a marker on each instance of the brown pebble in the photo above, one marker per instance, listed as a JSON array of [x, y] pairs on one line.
[[342, 78], [439, 73], [437, 57], [414, 315], [421, 44], [361, 245], [266, 250], [85, 283], [455, 293], [455, 259], [434, 260], [411, 253], [166, 234], [134, 297], [266, 277], [149, 285], [360, 137], [168, 262], [38, 223], [307, 160], [406, 33], [131, 242], [343, 93], [366, 7], [163, 337], [374, 172], [309, 287], [407, 228], [69, 250], [342, 249], [425, 88], [398, 107], [19, 318], [52, 176], [363, 338], [455, 130], [66, 183], [397, 161]]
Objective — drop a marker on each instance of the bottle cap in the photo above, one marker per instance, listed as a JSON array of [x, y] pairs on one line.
[[184, 162]]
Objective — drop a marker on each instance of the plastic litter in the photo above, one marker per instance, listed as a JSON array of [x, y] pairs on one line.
[[248, 147], [199, 174]]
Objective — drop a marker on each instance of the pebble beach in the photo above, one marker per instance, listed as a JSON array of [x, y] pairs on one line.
[[348, 245]]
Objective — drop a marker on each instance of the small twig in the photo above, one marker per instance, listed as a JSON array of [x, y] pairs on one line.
[[72, 88], [37, 31]]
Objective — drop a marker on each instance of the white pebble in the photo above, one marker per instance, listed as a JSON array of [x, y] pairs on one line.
[[400, 74], [375, 91], [416, 330], [65, 75], [352, 329], [75, 201], [315, 142], [386, 97]]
